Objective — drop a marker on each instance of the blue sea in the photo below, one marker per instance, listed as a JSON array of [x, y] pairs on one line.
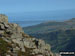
[[26, 23]]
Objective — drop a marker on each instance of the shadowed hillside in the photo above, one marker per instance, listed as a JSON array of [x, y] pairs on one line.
[[60, 35]]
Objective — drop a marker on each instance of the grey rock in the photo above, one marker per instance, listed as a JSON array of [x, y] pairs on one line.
[[6, 25], [8, 55], [3, 18], [2, 27], [1, 32], [39, 55]]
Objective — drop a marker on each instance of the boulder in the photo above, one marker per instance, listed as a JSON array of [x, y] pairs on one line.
[[38, 55], [2, 27], [8, 55], [6, 25], [3, 18], [1, 32]]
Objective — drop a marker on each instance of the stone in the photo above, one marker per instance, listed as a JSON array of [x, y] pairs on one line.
[[2, 27], [36, 51], [1, 32], [6, 25], [19, 30], [9, 51], [15, 25], [8, 31], [8, 55], [3, 18], [39, 55], [47, 46], [16, 49], [26, 43]]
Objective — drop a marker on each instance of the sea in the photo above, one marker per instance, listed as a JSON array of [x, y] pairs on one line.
[[26, 23]]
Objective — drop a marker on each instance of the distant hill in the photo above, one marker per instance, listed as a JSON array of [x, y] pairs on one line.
[[50, 26], [59, 34]]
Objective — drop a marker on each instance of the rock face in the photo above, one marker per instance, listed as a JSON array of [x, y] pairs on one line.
[[21, 44]]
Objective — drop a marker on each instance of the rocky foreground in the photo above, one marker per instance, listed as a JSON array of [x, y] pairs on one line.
[[14, 42]]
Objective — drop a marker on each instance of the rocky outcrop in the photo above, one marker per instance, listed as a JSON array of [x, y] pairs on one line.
[[19, 43], [3, 18]]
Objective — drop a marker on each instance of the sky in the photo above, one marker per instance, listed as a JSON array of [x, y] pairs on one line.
[[23, 9]]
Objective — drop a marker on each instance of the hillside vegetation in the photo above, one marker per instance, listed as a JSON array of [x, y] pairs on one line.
[[61, 35]]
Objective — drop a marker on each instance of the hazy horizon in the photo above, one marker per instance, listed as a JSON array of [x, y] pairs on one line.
[[42, 16], [33, 10], [38, 10]]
